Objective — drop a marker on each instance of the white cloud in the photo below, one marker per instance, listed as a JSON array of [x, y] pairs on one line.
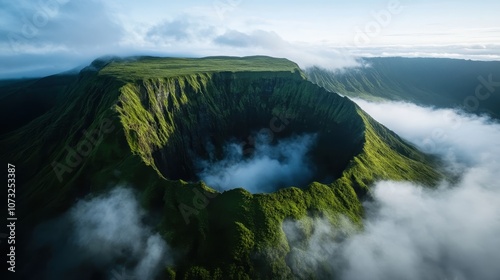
[[473, 51], [182, 30], [309, 34], [257, 38], [264, 169], [454, 135], [270, 43], [103, 235], [47, 37], [413, 232]]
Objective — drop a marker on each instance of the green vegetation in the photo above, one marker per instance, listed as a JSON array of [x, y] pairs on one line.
[[444, 83], [22, 101], [158, 116], [156, 67]]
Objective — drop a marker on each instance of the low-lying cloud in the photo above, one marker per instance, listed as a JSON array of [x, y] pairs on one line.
[[410, 231], [267, 168], [269, 43], [460, 138], [104, 237]]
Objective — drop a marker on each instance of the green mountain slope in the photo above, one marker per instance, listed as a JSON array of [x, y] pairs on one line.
[[138, 122], [446, 83], [22, 101]]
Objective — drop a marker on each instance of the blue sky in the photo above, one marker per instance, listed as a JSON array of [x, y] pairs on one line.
[[40, 37]]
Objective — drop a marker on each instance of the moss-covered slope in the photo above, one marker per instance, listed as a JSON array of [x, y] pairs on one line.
[[143, 121]]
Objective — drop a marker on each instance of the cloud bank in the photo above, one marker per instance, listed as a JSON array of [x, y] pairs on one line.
[[268, 168], [100, 237], [270, 43], [461, 139], [50, 36], [412, 232]]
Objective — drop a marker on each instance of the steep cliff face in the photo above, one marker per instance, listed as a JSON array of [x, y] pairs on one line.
[[122, 125], [166, 119], [174, 117]]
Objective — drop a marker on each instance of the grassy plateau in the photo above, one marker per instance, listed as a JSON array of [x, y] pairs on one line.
[[152, 113]]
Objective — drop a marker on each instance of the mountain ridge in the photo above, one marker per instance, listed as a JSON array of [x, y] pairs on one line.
[[143, 128], [444, 83]]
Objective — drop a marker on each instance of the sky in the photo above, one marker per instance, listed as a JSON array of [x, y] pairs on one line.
[[49, 36]]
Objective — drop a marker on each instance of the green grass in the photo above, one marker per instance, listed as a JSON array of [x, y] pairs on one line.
[[22, 101], [162, 114], [158, 118], [155, 67]]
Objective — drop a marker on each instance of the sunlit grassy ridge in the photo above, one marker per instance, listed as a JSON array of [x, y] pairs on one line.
[[156, 67], [158, 116]]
